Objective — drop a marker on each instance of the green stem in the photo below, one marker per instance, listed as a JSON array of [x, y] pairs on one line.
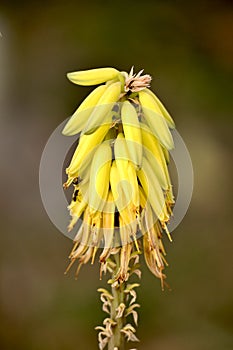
[[118, 339], [119, 304]]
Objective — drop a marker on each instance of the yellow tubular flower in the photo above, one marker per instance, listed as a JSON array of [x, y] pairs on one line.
[[87, 144], [93, 76], [79, 119], [100, 169], [103, 107], [157, 105], [108, 227], [155, 120], [132, 131], [122, 164]]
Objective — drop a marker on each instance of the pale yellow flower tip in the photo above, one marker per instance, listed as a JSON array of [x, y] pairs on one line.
[[93, 76]]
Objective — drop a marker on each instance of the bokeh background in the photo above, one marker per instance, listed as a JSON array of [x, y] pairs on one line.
[[187, 47]]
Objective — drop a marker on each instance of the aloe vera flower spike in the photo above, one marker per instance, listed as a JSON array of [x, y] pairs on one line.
[[122, 192]]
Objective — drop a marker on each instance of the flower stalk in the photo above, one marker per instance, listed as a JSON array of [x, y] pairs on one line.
[[117, 308], [119, 304]]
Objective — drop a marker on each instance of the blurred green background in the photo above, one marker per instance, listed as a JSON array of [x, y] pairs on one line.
[[187, 48]]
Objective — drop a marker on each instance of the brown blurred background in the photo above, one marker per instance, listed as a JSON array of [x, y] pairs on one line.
[[187, 48]]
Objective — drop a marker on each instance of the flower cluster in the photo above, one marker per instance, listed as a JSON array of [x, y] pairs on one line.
[[119, 169], [122, 199]]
